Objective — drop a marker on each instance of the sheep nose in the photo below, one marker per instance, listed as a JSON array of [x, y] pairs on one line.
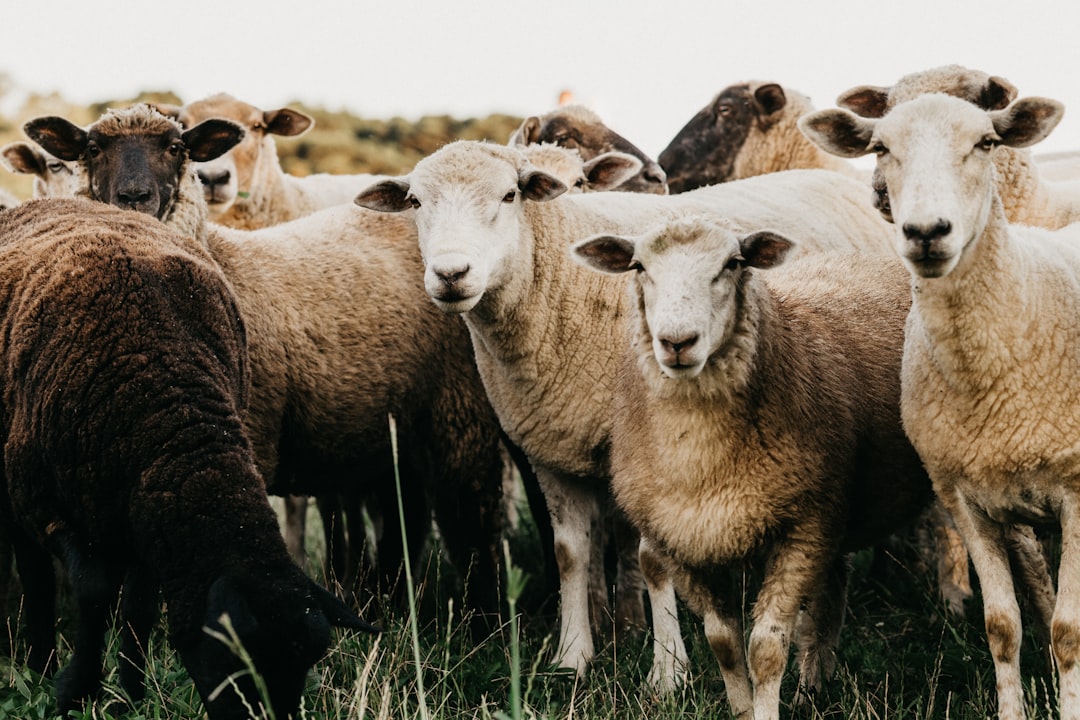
[[926, 232], [450, 276], [653, 173], [133, 197], [678, 344], [214, 178]]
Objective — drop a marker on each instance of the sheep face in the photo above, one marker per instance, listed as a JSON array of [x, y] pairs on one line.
[[52, 176], [689, 284], [134, 158], [935, 156], [705, 150], [230, 177], [604, 172], [467, 200], [578, 128]]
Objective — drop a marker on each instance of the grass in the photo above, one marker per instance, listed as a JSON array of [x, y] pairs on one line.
[[901, 658]]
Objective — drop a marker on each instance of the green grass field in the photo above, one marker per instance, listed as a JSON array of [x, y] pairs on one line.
[[900, 658]]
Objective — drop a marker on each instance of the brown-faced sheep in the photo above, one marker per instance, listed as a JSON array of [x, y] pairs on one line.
[[124, 453], [579, 128], [757, 425], [340, 334], [748, 129], [992, 350]]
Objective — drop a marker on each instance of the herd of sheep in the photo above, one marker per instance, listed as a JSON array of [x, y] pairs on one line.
[[756, 357]]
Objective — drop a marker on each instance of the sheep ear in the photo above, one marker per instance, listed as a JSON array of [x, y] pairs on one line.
[[167, 109], [528, 133], [338, 613], [224, 598], [386, 196], [211, 139], [770, 98], [610, 170], [868, 101], [838, 132], [58, 136], [287, 122], [540, 186], [1027, 121], [606, 253], [997, 93], [764, 249], [21, 157]]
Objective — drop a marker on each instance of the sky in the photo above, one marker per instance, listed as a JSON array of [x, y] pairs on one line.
[[645, 67]]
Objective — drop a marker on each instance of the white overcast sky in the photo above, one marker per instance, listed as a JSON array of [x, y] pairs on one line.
[[646, 67]]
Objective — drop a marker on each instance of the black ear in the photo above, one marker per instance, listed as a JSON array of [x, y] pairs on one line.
[[764, 249], [338, 613], [58, 136], [225, 597], [387, 196], [770, 98], [211, 139]]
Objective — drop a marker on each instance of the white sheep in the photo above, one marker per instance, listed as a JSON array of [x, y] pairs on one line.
[[546, 330], [7, 199], [748, 129], [52, 176], [1027, 194], [992, 352], [757, 423], [246, 187]]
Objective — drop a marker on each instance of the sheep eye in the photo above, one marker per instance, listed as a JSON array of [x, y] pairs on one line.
[[879, 148], [733, 262], [258, 126], [93, 149], [411, 199], [176, 149], [56, 167], [510, 196], [724, 110], [636, 266], [579, 183], [987, 143]]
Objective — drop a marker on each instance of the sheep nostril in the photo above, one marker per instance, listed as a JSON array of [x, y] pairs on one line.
[[677, 345]]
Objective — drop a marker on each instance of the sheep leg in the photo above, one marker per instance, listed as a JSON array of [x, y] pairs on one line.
[[818, 631], [797, 570], [295, 527], [1065, 628], [38, 576], [574, 513], [953, 574], [629, 583], [139, 611], [96, 586], [1031, 574], [670, 661], [985, 540], [335, 560]]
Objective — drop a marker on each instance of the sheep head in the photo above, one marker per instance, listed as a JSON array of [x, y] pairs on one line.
[[134, 158], [52, 176], [934, 153]]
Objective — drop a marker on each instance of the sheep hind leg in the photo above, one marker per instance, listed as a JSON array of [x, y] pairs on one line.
[[629, 582], [1031, 575], [818, 631], [96, 586], [139, 612], [1065, 629], [38, 576], [670, 661]]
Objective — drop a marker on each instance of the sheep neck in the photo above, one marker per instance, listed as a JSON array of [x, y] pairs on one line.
[[1028, 199]]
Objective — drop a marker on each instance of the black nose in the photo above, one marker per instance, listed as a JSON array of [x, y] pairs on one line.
[[677, 345], [927, 232], [134, 196], [214, 178], [450, 276]]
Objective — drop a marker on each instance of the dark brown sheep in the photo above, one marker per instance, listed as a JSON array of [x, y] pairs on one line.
[[123, 372]]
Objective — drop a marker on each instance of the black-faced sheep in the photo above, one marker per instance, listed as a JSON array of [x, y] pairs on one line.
[[124, 453], [546, 330], [329, 363], [992, 351], [757, 425], [748, 129]]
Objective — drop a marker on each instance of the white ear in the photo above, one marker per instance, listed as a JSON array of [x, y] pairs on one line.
[[1027, 121], [839, 132], [605, 253]]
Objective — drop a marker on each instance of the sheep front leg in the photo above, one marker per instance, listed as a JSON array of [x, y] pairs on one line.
[[1065, 628], [670, 661], [985, 540], [574, 512], [138, 612]]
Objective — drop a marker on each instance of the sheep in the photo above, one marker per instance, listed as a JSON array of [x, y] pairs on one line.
[[328, 362], [1028, 197], [757, 423], [579, 128], [992, 349], [124, 455], [747, 129], [52, 176], [493, 235], [246, 188]]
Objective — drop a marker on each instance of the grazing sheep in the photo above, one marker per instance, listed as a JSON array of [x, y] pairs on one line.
[[545, 330], [52, 176], [579, 128], [992, 351], [328, 363], [757, 424], [748, 129], [246, 188], [1028, 197], [125, 456]]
